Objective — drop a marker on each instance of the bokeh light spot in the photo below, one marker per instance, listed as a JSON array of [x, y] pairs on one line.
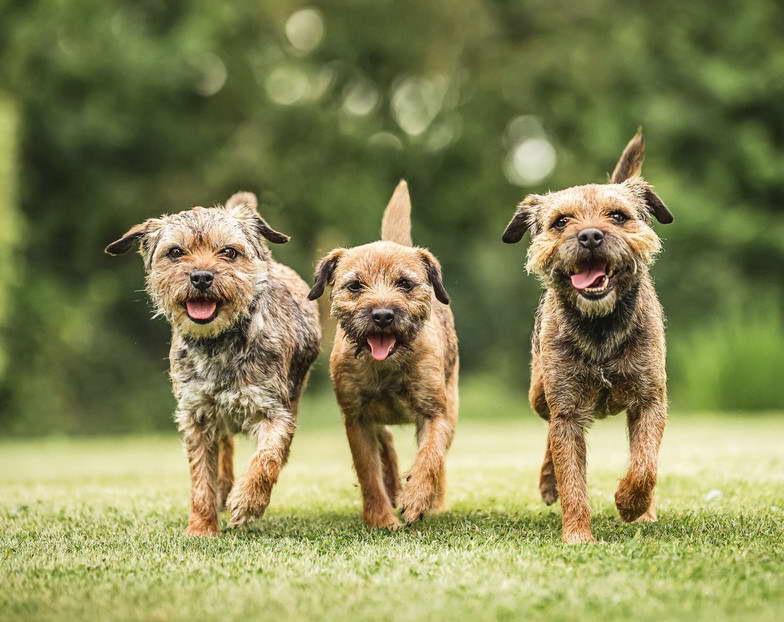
[[213, 74], [361, 98], [530, 162], [416, 102], [305, 29], [286, 85]]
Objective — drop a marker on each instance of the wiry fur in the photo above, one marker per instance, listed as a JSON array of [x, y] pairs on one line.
[[244, 370], [593, 358], [416, 384]]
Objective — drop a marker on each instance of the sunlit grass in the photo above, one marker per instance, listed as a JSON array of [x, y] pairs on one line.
[[92, 530]]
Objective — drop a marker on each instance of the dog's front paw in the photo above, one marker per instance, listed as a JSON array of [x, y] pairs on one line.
[[633, 500], [244, 508], [201, 526], [416, 498], [578, 537], [381, 519]]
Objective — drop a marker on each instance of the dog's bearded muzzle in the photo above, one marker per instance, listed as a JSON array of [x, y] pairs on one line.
[[381, 343], [594, 278]]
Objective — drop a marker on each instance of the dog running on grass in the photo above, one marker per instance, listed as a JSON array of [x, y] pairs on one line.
[[394, 361], [244, 336], [598, 341]]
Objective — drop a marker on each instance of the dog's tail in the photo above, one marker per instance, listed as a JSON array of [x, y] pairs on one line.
[[396, 224]]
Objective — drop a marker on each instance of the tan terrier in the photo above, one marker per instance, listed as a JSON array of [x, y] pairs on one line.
[[244, 336], [394, 361], [598, 341]]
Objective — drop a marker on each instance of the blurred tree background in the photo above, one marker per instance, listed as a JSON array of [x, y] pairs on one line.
[[112, 111]]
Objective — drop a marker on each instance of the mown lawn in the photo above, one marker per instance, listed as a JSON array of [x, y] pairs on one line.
[[92, 530]]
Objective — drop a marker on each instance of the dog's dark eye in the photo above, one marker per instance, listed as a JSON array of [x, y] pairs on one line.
[[175, 253], [229, 253], [618, 217], [354, 286], [561, 223], [405, 285]]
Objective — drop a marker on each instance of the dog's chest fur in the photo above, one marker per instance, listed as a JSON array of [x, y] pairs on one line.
[[602, 367], [215, 384], [382, 392], [250, 372]]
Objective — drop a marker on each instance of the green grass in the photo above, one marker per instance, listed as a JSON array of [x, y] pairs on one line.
[[92, 530]]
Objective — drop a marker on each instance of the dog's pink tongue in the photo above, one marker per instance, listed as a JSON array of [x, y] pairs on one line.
[[381, 346], [588, 277], [200, 309]]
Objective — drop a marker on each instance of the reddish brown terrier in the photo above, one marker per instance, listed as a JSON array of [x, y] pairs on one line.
[[394, 361], [598, 342]]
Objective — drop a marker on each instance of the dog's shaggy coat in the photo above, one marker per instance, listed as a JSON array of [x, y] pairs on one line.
[[402, 369], [598, 342], [241, 347]]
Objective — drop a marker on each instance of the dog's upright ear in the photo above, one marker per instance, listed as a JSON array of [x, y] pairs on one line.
[[138, 233], [433, 269], [628, 171], [325, 272], [522, 219], [246, 203], [630, 162]]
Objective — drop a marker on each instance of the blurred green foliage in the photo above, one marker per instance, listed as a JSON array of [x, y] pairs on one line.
[[133, 108], [9, 219]]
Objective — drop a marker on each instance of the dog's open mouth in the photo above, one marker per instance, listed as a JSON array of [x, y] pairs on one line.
[[594, 281], [382, 346], [201, 311]]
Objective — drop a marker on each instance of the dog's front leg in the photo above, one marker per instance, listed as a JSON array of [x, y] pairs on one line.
[[634, 498], [566, 438], [420, 490], [250, 496], [201, 447], [366, 452]]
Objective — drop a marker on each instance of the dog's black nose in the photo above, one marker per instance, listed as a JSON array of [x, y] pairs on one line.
[[590, 238], [383, 317], [201, 279]]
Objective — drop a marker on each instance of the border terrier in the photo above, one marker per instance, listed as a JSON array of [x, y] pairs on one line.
[[394, 361], [244, 336], [598, 341]]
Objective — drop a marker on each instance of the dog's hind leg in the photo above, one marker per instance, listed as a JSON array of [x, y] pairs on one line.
[[439, 504], [366, 451], [250, 496], [389, 464], [634, 497], [225, 469], [547, 485]]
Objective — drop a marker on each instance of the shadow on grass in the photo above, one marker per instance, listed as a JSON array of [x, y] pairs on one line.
[[466, 527]]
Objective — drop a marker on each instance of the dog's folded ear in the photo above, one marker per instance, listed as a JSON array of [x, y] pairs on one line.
[[248, 203], [276, 237], [325, 273], [136, 233], [433, 269], [653, 204], [522, 219]]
